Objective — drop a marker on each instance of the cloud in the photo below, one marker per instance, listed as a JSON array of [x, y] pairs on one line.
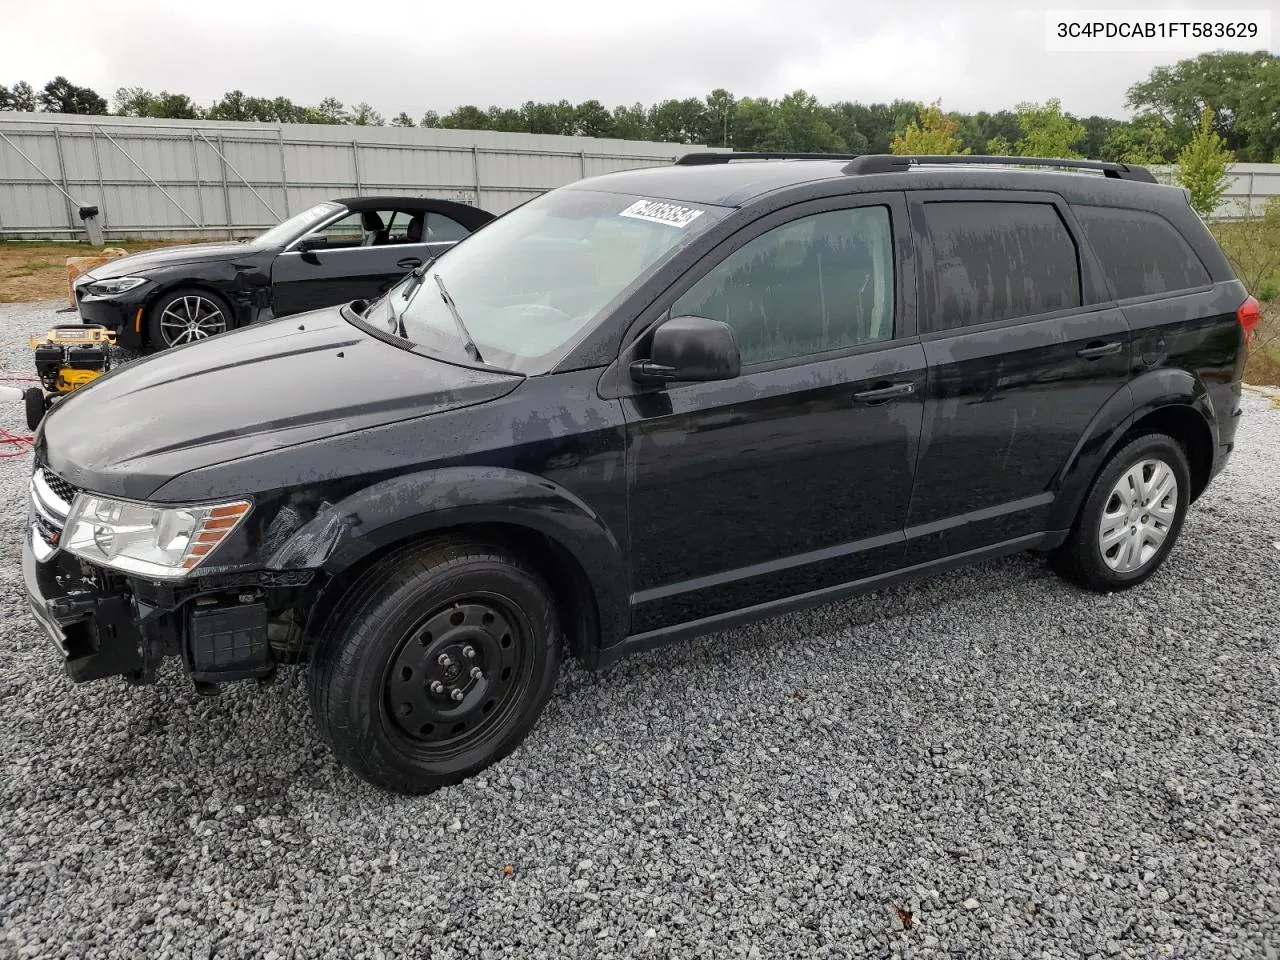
[[400, 55]]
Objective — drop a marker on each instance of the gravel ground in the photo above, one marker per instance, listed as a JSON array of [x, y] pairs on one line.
[[987, 764]]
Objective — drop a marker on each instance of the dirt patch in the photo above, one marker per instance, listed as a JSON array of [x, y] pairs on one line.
[[1264, 351], [31, 271]]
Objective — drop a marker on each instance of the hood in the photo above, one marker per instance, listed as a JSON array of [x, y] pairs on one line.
[[140, 263], [260, 388]]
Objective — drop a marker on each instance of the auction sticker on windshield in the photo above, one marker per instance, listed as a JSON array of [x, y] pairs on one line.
[[659, 211]]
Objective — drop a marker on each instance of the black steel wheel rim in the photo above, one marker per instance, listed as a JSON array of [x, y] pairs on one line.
[[456, 677]]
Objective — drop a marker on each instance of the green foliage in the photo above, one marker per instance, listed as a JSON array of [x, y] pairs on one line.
[[1047, 131], [60, 95], [934, 133], [1202, 165], [402, 119], [1146, 139], [1244, 89], [363, 115]]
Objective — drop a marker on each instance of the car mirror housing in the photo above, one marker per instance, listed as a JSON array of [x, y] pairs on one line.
[[690, 349]]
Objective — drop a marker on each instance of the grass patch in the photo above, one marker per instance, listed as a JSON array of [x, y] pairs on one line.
[[33, 270]]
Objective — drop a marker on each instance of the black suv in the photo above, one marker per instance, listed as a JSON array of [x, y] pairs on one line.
[[642, 407]]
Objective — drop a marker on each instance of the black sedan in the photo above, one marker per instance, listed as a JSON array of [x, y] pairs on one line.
[[335, 252]]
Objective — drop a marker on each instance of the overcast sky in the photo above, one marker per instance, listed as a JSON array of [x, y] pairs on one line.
[[415, 56]]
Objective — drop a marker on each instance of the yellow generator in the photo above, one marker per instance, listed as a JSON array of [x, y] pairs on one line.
[[69, 356]]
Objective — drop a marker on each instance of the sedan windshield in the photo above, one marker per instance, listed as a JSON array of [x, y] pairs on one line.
[[528, 284], [296, 225]]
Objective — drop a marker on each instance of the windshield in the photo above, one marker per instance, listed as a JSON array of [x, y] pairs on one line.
[[531, 282], [297, 225]]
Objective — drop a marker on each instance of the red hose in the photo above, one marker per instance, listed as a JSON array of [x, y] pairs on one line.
[[22, 443]]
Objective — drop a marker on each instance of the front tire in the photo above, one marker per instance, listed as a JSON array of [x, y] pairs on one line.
[[186, 315], [438, 663], [1131, 517]]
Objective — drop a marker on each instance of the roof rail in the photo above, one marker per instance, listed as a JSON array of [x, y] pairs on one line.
[[891, 163], [699, 159]]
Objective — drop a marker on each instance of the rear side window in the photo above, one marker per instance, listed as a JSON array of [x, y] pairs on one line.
[[997, 261], [1141, 253]]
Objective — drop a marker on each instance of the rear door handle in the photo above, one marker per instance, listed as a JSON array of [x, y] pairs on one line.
[[885, 393], [1096, 350], [408, 263]]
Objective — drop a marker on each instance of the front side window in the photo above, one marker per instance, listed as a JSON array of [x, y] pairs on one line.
[[532, 282], [820, 283], [997, 261]]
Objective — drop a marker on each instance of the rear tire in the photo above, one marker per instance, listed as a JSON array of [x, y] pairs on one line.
[[437, 663], [186, 315], [1131, 517]]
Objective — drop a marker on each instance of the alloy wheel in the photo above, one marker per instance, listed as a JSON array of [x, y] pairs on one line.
[[189, 318], [1138, 515]]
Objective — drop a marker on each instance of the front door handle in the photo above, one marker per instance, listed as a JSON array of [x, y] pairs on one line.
[[886, 392], [408, 263], [1095, 351]]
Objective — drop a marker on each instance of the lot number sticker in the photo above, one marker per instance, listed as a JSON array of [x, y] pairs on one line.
[[658, 211]]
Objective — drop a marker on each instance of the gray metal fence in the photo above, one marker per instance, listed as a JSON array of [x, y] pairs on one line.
[[165, 178]]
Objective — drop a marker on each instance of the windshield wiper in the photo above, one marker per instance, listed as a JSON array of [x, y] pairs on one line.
[[415, 279], [469, 344]]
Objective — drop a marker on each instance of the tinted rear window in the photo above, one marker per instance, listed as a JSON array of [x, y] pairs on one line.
[[1141, 253], [997, 261]]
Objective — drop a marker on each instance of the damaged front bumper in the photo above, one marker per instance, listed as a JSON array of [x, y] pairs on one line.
[[106, 623]]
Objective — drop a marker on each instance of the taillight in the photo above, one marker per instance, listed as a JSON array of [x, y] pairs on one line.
[[1249, 314]]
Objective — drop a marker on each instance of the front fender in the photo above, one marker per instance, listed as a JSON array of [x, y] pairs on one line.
[[342, 534], [1151, 391]]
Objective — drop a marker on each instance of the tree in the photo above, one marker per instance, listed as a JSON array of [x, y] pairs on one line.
[[1047, 131], [678, 121], [719, 113], [1146, 139], [430, 119], [1234, 83], [402, 119], [466, 118], [60, 95], [6, 98], [174, 106], [22, 97], [631, 123], [363, 115], [804, 125], [934, 134], [505, 119], [132, 102], [843, 118], [332, 110], [1202, 165], [592, 119], [1096, 132]]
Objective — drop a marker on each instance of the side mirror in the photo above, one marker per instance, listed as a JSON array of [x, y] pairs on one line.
[[690, 349], [307, 244]]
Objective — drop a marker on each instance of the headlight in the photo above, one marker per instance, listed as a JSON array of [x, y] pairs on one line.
[[106, 288], [158, 542]]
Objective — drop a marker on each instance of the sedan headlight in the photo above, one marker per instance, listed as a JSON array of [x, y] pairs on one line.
[[107, 288], [159, 542]]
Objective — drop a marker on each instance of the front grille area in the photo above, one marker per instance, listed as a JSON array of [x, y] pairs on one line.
[[51, 498], [59, 486]]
